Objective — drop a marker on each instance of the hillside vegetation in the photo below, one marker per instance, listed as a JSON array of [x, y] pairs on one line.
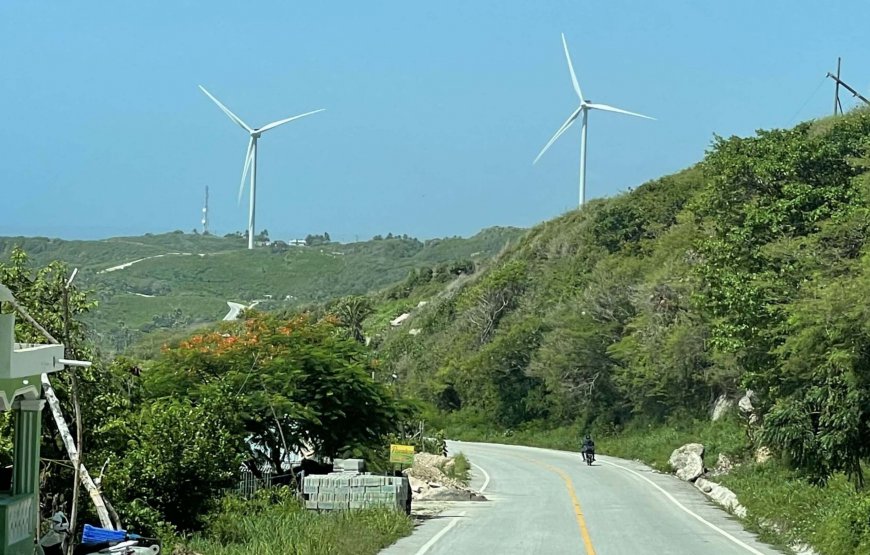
[[169, 436], [180, 280], [749, 270]]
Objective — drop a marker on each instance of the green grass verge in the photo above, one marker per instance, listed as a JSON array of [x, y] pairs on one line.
[[834, 519], [275, 523]]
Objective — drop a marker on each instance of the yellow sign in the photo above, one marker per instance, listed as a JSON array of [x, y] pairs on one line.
[[403, 454]]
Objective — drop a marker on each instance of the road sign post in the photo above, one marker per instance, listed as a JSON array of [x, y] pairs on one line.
[[402, 454]]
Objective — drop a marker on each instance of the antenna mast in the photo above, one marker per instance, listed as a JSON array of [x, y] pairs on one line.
[[205, 213], [845, 86]]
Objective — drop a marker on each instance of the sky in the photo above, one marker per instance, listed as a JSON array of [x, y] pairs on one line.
[[434, 110]]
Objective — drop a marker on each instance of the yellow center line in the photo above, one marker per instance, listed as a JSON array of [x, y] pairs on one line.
[[578, 511]]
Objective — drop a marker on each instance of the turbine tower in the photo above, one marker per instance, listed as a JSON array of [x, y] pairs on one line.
[[251, 156], [582, 110]]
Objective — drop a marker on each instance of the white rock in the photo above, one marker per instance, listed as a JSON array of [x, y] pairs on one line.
[[413, 331], [745, 404], [803, 549], [723, 465], [399, 319], [722, 496], [417, 486], [762, 455], [687, 461], [723, 405]]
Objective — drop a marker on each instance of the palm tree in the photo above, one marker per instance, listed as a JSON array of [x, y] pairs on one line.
[[352, 311]]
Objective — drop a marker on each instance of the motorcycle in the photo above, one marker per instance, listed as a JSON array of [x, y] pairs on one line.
[[589, 456], [94, 540]]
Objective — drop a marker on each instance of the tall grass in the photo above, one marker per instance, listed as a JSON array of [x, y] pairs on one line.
[[834, 519], [275, 523], [459, 469]]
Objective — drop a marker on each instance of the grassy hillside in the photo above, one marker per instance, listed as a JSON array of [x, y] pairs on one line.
[[748, 270], [180, 280]]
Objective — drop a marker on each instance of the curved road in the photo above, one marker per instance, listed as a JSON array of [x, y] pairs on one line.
[[547, 502], [235, 309]]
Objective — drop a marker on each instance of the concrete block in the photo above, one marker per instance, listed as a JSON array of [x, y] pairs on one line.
[[349, 465], [343, 491], [310, 486], [374, 480]]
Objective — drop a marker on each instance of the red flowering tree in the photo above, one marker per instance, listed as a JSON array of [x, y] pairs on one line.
[[291, 385]]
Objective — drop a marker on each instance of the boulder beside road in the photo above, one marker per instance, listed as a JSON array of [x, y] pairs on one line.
[[687, 461]]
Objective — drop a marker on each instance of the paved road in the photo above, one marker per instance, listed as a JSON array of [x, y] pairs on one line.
[[547, 502], [235, 309]]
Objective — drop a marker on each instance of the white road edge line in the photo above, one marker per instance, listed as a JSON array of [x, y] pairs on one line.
[[485, 477], [428, 545], [687, 510]]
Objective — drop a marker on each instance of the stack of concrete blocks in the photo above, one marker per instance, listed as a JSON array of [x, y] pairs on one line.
[[348, 487]]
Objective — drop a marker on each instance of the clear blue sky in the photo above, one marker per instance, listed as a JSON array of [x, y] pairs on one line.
[[435, 110]]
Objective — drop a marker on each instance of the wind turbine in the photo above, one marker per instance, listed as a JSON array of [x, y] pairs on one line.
[[582, 110], [251, 156]]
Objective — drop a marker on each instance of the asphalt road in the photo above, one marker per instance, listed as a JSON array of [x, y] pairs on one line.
[[235, 309], [548, 502]]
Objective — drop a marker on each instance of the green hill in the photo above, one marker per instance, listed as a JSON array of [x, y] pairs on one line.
[[629, 318], [175, 280]]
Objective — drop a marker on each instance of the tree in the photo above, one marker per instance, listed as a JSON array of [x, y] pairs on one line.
[[493, 297], [292, 384], [314, 240], [54, 304], [352, 312], [820, 416], [178, 455]]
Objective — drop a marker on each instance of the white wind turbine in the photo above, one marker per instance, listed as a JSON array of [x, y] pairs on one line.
[[251, 156], [583, 110]]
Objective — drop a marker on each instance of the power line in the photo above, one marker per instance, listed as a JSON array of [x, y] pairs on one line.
[[807, 101]]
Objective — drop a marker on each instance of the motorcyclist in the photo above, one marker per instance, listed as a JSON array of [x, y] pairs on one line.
[[588, 446]]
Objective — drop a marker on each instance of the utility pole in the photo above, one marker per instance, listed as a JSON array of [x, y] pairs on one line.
[[205, 213], [837, 105], [848, 88]]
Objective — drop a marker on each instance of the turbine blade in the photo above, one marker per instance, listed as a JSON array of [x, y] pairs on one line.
[[275, 124], [248, 156], [226, 110], [559, 133], [607, 108], [571, 69]]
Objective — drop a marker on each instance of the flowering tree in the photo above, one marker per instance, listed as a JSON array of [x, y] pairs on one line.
[[290, 385]]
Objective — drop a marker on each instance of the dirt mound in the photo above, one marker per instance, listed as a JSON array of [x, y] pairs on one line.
[[430, 483]]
